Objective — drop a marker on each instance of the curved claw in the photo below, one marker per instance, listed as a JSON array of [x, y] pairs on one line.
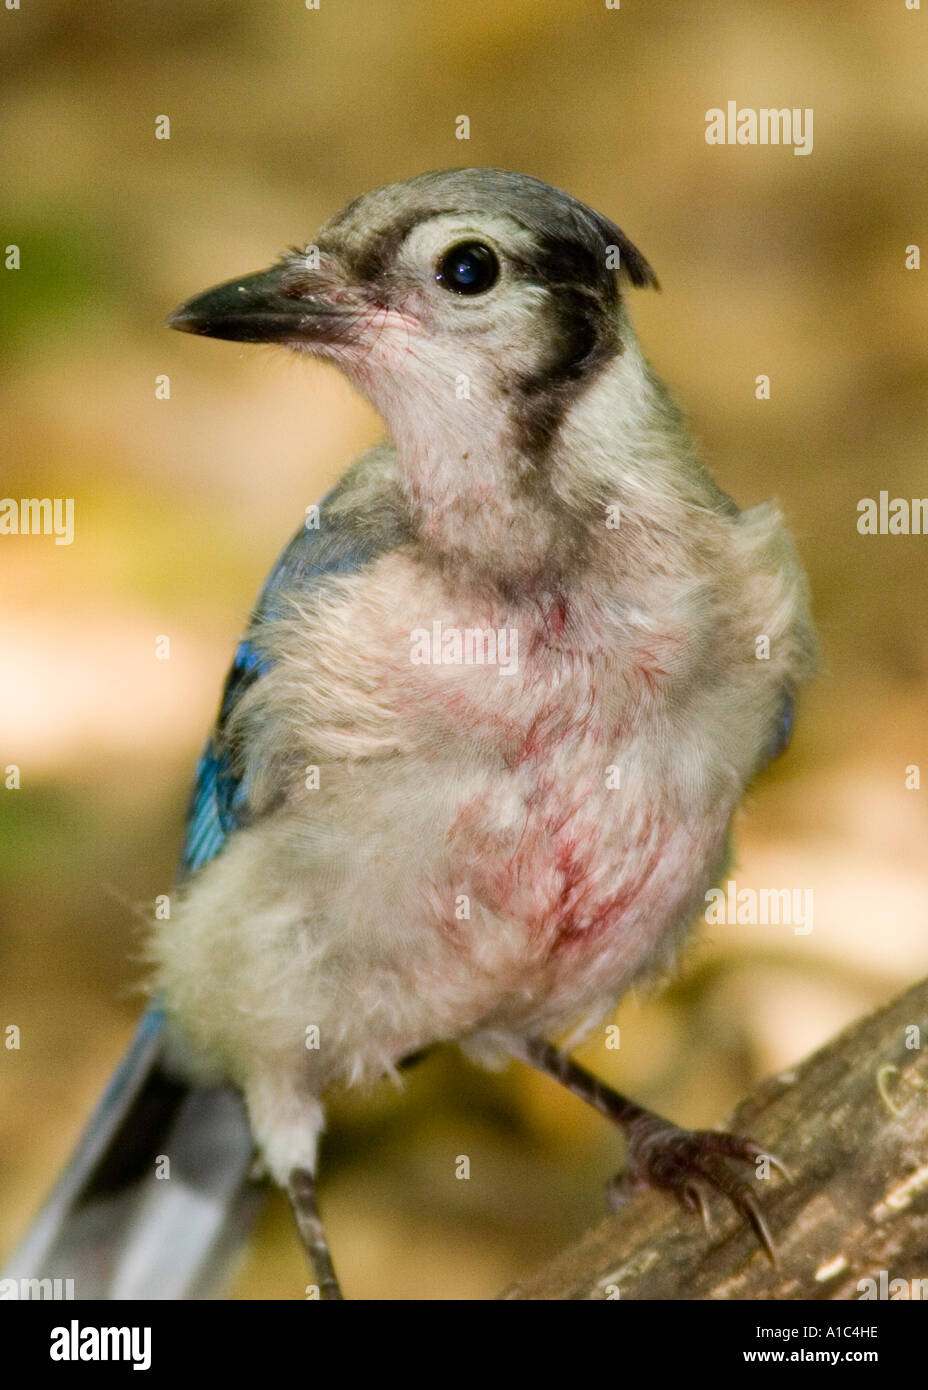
[[752, 1152], [746, 1203], [743, 1200], [779, 1165], [694, 1199]]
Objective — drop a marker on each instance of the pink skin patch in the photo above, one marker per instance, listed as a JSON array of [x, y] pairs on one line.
[[553, 621], [653, 656], [518, 742], [382, 338], [567, 886]]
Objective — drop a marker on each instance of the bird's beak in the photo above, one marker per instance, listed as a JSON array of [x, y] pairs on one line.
[[273, 306]]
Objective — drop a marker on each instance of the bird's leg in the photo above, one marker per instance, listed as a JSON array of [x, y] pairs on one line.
[[659, 1153], [301, 1189]]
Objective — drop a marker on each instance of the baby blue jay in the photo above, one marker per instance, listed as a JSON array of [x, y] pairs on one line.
[[478, 753]]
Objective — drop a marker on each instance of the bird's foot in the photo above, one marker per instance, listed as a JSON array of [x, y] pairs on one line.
[[686, 1162]]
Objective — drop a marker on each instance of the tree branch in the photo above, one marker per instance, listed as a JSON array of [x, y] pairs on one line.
[[851, 1125]]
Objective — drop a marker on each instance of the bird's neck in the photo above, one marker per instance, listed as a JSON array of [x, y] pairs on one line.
[[484, 513], [488, 509]]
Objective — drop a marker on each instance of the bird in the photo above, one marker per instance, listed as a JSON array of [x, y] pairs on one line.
[[479, 749]]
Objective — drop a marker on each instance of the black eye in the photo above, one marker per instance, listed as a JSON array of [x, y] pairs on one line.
[[469, 268]]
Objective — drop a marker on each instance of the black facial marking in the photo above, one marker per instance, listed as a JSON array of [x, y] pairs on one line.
[[559, 260], [377, 255], [580, 328]]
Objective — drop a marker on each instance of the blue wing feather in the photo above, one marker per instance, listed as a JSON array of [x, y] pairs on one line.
[[218, 805], [783, 728], [205, 836]]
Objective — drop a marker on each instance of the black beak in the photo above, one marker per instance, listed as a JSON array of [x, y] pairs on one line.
[[272, 306]]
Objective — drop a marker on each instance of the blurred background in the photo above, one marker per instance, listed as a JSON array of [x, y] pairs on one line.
[[774, 264]]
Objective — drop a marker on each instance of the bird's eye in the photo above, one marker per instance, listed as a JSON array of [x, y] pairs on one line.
[[468, 268]]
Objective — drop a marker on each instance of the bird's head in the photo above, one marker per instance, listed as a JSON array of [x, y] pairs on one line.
[[456, 291]]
